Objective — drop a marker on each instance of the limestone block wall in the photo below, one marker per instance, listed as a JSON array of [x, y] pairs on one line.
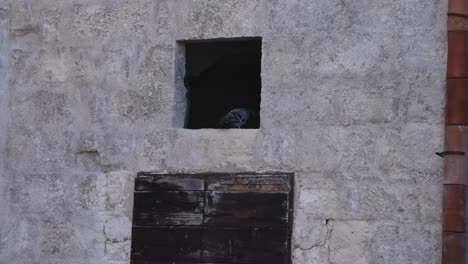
[[352, 103]]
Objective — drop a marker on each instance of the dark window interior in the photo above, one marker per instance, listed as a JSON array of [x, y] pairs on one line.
[[223, 75]]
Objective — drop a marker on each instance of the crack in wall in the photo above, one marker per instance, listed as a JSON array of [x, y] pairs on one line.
[[325, 241], [329, 233]]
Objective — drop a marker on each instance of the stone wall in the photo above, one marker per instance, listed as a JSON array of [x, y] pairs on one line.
[[352, 103]]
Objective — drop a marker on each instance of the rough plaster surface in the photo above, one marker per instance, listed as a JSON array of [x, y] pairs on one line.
[[352, 103]]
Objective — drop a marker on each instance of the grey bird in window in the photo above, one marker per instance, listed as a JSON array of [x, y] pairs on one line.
[[236, 118]]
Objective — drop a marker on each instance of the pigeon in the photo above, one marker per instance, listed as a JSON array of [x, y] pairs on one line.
[[236, 118]]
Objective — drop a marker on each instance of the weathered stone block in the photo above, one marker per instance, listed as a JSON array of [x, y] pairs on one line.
[[133, 106], [319, 203], [316, 255], [87, 192], [277, 149], [156, 150], [106, 22], [117, 229], [318, 149], [364, 147], [350, 241], [42, 108], [116, 65], [218, 150], [118, 149], [118, 232], [119, 193], [409, 150], [370, 200], [415, 243], [118, 250], [310, 232], [35, 150], [42, 191]]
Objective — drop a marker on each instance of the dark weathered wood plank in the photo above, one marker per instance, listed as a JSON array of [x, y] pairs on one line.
[[168, 183], [170, 262], [250, 183], [181, 244], [246, 209], [245, 245], [210, 245], [168, 208]]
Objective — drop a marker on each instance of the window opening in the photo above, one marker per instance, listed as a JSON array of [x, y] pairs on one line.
[[223, 83]]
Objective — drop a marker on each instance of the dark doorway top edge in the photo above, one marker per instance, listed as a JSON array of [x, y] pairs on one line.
[[253, 38]]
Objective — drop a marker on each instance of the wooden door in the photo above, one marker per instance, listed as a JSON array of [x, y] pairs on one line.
[[212, 218]]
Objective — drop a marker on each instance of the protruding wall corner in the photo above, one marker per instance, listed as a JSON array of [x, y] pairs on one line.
[[456, 135]]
